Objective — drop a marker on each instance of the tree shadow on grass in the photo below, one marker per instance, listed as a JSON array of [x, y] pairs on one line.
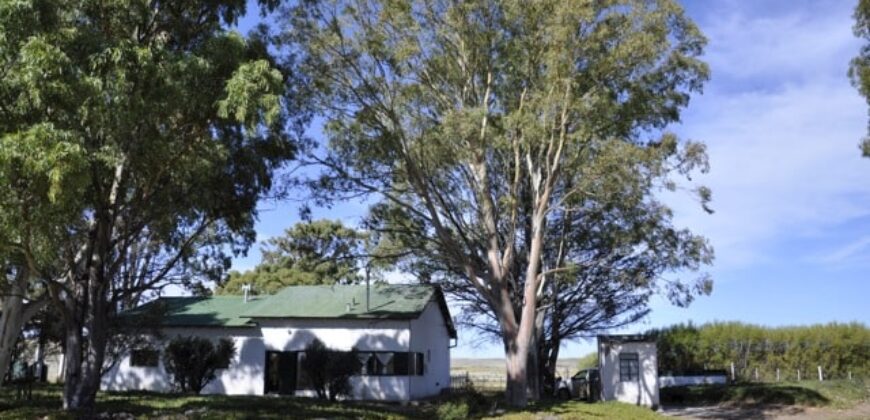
[[295, 407], [742, 394]]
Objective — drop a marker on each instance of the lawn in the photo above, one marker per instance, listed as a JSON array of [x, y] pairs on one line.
[[46, 404], [836, 394]]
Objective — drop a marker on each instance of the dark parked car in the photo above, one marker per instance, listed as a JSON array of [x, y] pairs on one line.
[[583, 385]]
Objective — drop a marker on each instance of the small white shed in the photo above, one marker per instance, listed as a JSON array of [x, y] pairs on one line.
[[629, 369]]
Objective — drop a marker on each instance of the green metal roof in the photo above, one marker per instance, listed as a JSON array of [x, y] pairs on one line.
[[212, 311], [387, 301]]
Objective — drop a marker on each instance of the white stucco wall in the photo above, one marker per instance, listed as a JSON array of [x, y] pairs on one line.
[[645, 391], [667, 380], [346, 334], [429, 335], [243, 377]]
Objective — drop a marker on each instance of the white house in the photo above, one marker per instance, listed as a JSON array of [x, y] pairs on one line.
[[629, 369], [402, 338]]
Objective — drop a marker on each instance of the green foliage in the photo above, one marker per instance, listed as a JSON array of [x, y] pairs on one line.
[[859, 68], [588, 361], [135, 141], [453, 410], [329, 370], [482, 127], [465, 404], [309, 253], [192, 362], [838, 348]]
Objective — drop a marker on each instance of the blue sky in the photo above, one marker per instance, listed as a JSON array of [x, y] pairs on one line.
[[791, 193]]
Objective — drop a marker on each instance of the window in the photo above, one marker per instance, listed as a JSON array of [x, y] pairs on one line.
[[628, 367], [144, 358], [402, 363], [303, 380], [419, 364], [383, 363], [367, 363]]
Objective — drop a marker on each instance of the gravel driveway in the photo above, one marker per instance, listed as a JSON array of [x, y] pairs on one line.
[[778, 412]]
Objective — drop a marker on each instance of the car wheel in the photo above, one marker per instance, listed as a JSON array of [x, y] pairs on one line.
[[564, 394]]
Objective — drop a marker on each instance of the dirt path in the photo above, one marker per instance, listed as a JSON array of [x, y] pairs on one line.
[[773, 412]]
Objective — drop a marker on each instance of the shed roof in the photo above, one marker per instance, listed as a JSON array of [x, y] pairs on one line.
[[626, 338]]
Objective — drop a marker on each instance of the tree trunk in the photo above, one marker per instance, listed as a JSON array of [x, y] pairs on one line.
[[536, 357], [72, 365], [517, 337], [516, 361], [11, 323], [87, 314], [85, 353], [14, 315], [551, 357], [533, 380]]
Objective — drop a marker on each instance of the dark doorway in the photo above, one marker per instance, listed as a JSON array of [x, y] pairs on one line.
[[281, 372]]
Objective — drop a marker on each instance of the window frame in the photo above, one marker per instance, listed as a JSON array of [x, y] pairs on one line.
[[374, 366], [629, 367]]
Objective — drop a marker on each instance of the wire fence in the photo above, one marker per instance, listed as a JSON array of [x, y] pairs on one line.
[[492, 382], [809, 372], [477, 382]]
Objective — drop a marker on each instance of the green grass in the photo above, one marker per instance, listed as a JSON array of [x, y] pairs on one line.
[[46, 404], [582, 410], [836, 394]]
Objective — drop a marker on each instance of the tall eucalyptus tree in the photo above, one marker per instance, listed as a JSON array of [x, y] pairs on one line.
[[474, 123], [157, 129]]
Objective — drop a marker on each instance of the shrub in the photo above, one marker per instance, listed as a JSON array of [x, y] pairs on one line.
[[467, 404], [193, 361], [328, 370], [453, 410]]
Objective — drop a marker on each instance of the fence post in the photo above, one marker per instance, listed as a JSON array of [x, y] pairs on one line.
[[777, 374], [756, 374], [733, 378], [850, 375], [820, 374], [799, 375]]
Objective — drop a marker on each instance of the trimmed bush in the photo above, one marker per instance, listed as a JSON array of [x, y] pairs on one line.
[[329, 370], [192, 362]]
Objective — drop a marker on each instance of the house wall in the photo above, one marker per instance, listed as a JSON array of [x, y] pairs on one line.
[[243, 377], [429, 335], [645, 391], [345, 335]]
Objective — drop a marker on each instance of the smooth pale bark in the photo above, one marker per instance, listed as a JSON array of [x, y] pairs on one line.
[[10, 328], [14, 314], [86, 322], [84, 362]]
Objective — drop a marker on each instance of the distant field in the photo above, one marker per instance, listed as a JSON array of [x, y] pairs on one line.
[[496, 367]]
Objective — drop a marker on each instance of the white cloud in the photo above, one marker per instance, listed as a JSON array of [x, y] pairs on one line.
[[854, 250], [782, 125]]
